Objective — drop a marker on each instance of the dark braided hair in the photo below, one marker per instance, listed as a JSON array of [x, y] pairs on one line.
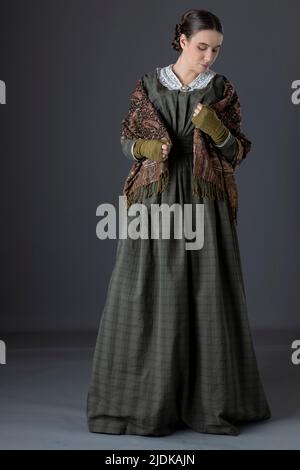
[[193, 21]]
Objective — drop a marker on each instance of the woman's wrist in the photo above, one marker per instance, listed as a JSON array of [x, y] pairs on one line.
[[208, 121]]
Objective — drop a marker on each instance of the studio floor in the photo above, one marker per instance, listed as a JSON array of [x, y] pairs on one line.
[[43, 388]]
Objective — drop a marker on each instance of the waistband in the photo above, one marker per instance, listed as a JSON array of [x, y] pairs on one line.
[[182, 145]]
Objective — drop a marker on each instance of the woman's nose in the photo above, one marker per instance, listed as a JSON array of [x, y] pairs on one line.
[[208, 57]]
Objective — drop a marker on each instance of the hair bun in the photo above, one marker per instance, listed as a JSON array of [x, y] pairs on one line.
[[178, 28], [175, 42]]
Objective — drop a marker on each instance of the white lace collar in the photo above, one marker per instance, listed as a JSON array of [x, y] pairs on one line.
[[170, 80]]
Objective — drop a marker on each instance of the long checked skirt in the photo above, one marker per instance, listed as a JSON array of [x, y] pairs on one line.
[[174, 346]]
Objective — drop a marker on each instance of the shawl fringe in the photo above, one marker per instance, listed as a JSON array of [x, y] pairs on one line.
[[201, 188], [209, 189], [155, 187]]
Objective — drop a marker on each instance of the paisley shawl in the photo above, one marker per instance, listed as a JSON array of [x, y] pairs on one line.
[[213, 174]]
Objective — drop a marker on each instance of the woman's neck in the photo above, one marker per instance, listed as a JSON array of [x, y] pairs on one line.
[[183, 73]]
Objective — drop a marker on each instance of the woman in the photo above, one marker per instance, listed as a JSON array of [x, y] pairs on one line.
[[174, 347]]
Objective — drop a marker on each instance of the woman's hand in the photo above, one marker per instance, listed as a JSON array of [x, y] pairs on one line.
[[206, 119], [166, 147], [197, 109], [153, 149]]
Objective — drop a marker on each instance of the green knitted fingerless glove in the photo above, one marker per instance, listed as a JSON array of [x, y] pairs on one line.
[[208, 121], [148, 148]]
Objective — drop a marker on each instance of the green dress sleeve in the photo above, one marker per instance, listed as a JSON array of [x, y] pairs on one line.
[[127, 148], [229, 147]]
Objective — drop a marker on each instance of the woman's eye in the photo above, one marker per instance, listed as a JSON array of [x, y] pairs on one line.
[[204, 49]]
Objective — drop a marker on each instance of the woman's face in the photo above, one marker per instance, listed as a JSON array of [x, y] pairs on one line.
[[201, 50]]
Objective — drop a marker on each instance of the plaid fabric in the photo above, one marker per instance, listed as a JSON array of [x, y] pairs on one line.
[[174, 346]]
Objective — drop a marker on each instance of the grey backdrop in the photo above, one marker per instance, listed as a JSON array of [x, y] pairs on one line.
[[69, 68]]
